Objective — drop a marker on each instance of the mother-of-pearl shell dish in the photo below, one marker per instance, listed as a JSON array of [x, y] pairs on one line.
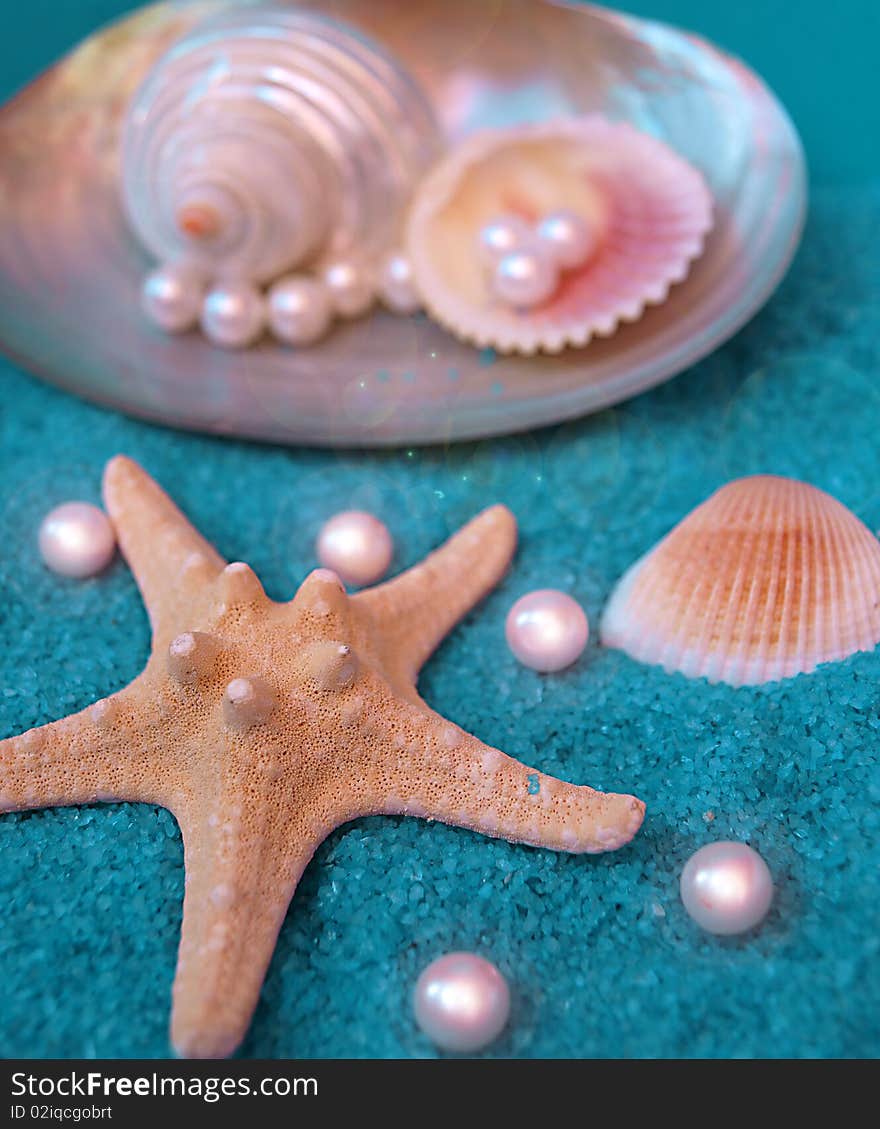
[[71, 267]]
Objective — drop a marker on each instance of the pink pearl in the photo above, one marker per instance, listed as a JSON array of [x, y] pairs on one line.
[[568, 237], [77, 540], [547, 630], [525, 278], [461, 1002], [726, 887], [356, 546], [501, 235], [351, 289], [172, 298], [397, 287], [299, 310], [233, 315]]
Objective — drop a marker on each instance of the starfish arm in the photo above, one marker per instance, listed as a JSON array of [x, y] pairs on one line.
[[96, 754], [241, 872], [414, 611], [171, 561], [448, 775]]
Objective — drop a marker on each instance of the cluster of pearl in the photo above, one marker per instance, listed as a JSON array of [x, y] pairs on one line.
[[526, 260], [299, 309]]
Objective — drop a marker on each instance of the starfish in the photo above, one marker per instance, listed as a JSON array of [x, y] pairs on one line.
[[262, 726]]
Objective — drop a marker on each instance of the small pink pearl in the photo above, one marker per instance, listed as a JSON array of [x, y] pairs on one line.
[[547, 630], [461, 1002], [525, 278], [77, 540], [397, 287], [233, 315], [356, 546], [726, 887], [568, 237], [501, 235], [351, 289], [172, 298]]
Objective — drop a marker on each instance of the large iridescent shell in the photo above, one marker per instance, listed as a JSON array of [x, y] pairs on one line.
[[650, 211], [766, 579], [71, 267]]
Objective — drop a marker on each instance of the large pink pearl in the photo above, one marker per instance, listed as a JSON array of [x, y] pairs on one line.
[[568, 237], [461, 1002], [547, 630], [525, 278], [726, 887], [77, 540], [233, 315], [501, 235], [356, 546]]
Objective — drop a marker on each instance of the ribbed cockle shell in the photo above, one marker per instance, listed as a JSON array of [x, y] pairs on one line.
[[766, 579]]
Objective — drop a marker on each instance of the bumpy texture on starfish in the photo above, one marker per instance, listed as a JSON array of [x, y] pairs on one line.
[[264, 726]]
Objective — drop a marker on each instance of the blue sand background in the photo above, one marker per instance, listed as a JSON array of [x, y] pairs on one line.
[[600, 954]]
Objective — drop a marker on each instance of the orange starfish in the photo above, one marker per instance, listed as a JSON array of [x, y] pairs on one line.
[[264, 726]]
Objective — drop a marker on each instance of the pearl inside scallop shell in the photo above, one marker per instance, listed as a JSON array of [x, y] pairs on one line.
[[502, 235], [567, 237], [525, 278], [624, 208]]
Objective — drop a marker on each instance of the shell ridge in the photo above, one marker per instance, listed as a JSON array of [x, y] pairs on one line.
[[860, 587], [649, 643], [840, 634], [680, 647], [799, 602], [767, 604], [871, 588]]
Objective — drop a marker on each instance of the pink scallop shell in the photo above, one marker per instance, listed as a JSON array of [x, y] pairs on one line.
[[653, 209], [766, 579]]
